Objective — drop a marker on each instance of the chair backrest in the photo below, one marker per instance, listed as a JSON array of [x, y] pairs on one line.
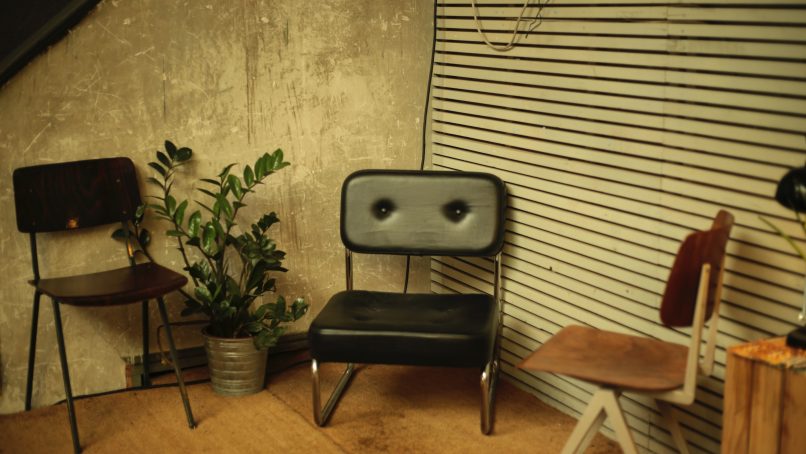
[[423, 213], [72, 195], [680, 298]]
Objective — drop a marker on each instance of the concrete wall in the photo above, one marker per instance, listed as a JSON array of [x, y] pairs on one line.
[[338, 84]]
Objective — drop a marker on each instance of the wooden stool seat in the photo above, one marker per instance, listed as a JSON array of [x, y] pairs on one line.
[[121, 286], [611, 359]]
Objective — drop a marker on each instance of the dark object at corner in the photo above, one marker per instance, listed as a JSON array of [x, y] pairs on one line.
[[791, 190], [27, 27], [797, 338]]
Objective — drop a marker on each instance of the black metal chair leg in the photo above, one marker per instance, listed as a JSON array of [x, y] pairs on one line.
[[57, 316], [175, 360], [146, 366], [29, 384]]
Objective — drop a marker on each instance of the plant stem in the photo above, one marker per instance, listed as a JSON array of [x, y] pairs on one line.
[[785, 236]]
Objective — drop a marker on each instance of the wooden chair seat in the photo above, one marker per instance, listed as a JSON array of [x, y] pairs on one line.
[[611, 359], [127, 285]]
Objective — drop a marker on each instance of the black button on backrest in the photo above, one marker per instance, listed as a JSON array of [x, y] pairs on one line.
[[382, 208], [456, 210]]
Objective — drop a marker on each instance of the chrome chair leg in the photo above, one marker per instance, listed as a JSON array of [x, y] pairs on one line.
[[29, 384], [68, 391], [489, 379], [175, 360], [321, 415]]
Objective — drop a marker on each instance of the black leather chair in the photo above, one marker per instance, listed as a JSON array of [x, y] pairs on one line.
[[415, 213], [74, 195]]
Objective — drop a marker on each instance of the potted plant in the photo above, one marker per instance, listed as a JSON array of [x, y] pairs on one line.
[[229, 266]]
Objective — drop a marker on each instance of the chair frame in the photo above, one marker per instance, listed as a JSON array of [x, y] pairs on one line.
[[488, 379], [63, 353], [604, 402]]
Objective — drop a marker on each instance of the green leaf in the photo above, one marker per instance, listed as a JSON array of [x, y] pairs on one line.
[[179, 215], [260, 313], [235, 186], [211, 181], [145, 238], [277, 159], [183, 154], [164, 159], [208, 244], [158, 208], [260, 168], [203, 294], [175, 233], [225, 206], [225, 172], [119, 234], [254, 327], [139, 213], [298, 308], [157, 167], [170, 205], [267, 221], [193, 224], [279, 308], [248, 176], [170, 148], [155, 182], [210, 193]]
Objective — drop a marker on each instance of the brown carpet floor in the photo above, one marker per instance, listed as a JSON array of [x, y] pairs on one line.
[[386, 409]]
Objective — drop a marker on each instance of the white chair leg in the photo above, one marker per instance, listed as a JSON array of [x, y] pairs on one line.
[[674, 427], [604, 403], [587, 426], [623, 433]]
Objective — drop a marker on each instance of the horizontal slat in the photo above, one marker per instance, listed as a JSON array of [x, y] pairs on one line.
[[777, 69], [643, 12], [743, 32], [551, 190], [645, 188], [752, 50], [633, 91], [625, 124], [691, 161], [774, 291], [613, 3]]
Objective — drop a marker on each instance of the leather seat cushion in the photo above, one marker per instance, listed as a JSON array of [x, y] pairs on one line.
[[415, 329]]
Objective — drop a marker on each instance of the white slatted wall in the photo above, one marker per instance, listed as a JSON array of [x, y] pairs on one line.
[[620, 126]]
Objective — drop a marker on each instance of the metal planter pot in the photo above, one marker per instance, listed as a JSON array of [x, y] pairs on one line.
[[237, 368]]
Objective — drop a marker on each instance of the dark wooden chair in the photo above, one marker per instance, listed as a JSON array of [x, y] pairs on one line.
[[75, 195], [417, 213], [664, 371]]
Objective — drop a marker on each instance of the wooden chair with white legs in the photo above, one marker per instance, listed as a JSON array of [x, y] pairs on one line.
[[665, 371]]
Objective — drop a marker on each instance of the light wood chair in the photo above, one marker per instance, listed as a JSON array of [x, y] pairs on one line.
[[664, 371]]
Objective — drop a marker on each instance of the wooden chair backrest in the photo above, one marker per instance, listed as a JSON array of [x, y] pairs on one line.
[[72, 195], [680, 298]]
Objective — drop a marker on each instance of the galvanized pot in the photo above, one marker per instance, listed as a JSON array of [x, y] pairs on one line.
[[237, 368]]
